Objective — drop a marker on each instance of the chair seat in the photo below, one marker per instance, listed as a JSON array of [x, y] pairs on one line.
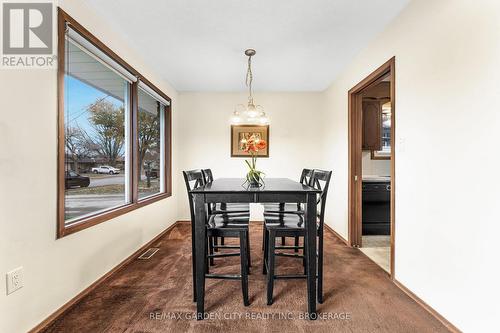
[[232, 207], [288, 207], [289, 221], [227, 221]]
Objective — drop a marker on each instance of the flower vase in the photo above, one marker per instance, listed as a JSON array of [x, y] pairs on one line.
[[255, 181]]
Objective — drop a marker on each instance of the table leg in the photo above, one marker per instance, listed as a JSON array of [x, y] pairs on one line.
[[311, 254], [201, 238]]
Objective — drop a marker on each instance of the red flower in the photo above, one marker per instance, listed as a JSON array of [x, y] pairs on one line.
[[261, 144], [253, 145]]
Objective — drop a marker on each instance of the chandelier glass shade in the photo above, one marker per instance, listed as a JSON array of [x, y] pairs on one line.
[[250, 113]]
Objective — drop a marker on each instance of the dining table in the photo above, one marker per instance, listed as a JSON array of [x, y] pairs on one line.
[[237, 190]]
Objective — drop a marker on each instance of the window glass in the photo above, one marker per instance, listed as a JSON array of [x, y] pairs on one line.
[[96, 114], [151, 115], [386, 127], [385, 152]]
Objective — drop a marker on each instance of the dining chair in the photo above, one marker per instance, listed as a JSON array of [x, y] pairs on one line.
[[230, 225], [224, 207], [305, 176], [291, 224]]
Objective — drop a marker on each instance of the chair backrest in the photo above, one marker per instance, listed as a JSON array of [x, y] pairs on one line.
[[209, 177], [207, 174], [320, 180], [306, 176], [193, 180], [305, 179]]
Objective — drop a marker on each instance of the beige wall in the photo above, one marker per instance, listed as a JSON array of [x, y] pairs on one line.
[[56, 270], [295, 136], [447, 128]]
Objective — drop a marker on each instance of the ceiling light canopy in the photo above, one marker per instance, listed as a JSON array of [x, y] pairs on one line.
[[250, 114]]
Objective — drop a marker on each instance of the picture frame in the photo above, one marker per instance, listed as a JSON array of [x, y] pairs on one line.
[[240, 132]]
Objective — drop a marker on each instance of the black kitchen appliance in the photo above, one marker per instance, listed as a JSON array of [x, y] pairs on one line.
[[376, 207]]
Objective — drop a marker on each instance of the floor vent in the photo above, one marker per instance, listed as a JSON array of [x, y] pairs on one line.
[[148, 254]]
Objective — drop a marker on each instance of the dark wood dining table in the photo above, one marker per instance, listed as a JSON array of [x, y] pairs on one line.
[[233, 190]]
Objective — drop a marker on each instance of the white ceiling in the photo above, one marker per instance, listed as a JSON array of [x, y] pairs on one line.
[[198, 45]]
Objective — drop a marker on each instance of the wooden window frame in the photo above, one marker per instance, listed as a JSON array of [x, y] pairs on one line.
[[88, 221]]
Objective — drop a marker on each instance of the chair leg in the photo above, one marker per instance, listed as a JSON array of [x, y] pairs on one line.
[[320, 267], [296, 244], [211, 249], [222, 241], [270, 259], [264, 256], [244, 266], [283, 241], [248, 253], [264, 237], [304, 256], [207, 266], [193, 263], [216, 242]]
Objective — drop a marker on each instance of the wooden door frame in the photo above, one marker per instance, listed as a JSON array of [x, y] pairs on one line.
[[355, 155]]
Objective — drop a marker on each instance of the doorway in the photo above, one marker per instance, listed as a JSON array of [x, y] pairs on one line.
[[371, 144]]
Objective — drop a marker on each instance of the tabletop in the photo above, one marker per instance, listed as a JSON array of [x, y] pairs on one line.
[[271, 185]]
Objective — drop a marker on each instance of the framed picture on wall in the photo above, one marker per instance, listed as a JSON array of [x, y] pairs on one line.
[[241, 133]]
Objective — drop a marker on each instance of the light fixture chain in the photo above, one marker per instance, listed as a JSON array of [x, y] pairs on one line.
[[249, 80]]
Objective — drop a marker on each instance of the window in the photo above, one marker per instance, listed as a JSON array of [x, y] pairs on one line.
[[114, 133], [95, 122], [385, 151], [151, 143]]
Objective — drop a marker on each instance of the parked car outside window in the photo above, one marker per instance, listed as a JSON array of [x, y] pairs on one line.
[[106, 169], [73, 179]]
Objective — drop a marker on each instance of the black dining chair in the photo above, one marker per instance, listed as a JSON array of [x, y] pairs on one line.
[[223, 207], [230, 225], [292, 224], [287, 207]]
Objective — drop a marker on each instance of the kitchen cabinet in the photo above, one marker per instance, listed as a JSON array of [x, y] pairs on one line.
[[372, 125]]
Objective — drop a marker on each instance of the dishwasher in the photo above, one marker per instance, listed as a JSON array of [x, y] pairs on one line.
[[376, 207]]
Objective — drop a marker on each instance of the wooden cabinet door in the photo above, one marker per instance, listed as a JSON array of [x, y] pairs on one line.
[[372, 125]]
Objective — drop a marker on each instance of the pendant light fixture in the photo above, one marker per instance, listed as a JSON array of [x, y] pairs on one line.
[[249, 114]]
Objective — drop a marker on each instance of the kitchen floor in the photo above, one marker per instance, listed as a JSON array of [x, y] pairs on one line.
[[378, 249]]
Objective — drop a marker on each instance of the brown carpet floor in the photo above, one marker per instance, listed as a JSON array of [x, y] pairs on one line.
[[156, 296]]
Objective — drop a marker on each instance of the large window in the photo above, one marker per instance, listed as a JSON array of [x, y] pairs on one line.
[[114, 133], [96, 111]]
